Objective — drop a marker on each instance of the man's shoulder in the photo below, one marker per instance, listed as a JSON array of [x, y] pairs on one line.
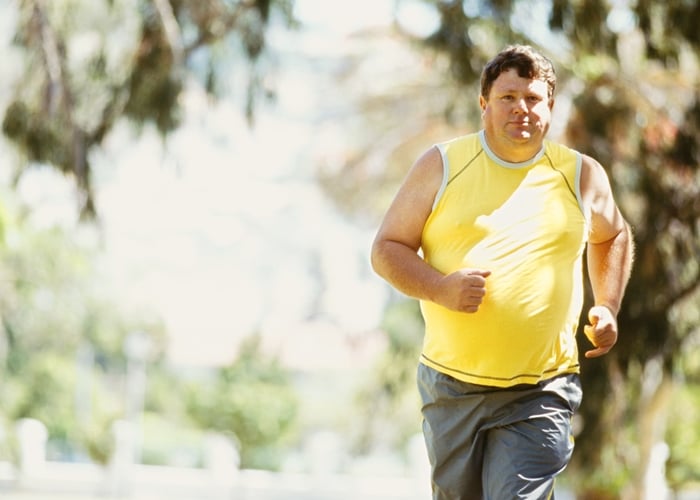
[[460, 139], [558, 151], [460, 146]]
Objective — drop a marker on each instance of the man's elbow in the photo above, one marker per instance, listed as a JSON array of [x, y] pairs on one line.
[[378, 255], [622, 234]]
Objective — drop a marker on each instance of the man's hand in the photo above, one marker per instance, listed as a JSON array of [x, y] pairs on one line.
[[463, 290], [602, 332]]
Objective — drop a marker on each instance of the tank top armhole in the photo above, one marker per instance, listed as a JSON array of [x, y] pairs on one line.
[[577, 188], [445, 173]]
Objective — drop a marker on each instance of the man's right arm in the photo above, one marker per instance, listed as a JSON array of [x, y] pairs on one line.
[[395, 248]]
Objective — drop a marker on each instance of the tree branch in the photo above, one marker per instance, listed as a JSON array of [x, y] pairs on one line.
[[59, 105], [50, 55], [172, 30]]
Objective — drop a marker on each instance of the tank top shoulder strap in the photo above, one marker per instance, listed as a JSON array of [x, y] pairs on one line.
[[568, 163], [457, 155]]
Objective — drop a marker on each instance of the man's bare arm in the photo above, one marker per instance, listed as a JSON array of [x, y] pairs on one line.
[[610, 254]]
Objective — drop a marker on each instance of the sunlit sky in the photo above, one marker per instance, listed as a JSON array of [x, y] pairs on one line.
[[224, 230], [227, 230], [343, 17]]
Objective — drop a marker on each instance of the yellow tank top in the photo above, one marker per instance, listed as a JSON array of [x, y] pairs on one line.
[[525, 223]]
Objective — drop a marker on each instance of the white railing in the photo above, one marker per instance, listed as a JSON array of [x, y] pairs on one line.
[[36, 478], [85, 481]]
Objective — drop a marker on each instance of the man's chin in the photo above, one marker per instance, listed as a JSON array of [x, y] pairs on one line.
[[521, 137]]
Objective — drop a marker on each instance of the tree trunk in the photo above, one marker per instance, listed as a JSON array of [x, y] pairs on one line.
[[657, 389]]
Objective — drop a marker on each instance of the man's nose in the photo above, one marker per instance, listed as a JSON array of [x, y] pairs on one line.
[[520, 105]]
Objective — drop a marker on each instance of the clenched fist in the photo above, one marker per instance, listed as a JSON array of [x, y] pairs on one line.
[[602, 331], [463, 290]]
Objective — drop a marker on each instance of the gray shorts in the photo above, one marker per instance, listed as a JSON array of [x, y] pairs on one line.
[[489, 443]]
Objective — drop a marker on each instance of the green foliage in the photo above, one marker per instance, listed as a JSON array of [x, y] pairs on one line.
[[64, 364], [8, 442], [154, 84], [251, 400], [88, 64], [655, 178], [170, 441], [387, 400], [43, 309], [403, 325], [97, 438], [42, 390], [684, 437], [62, 339], [44, 278]]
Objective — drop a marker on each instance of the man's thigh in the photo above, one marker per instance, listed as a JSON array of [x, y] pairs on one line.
[[522, 458], [455, 446]]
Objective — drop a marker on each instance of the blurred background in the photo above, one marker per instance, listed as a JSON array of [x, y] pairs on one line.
[[188, 193]]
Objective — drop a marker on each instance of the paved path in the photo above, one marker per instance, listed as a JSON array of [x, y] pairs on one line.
[[73, 482]]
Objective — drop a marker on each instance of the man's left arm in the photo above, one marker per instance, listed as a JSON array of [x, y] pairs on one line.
[[610, 254]]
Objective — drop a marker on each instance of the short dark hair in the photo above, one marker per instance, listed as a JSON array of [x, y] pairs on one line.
[[526, 60]]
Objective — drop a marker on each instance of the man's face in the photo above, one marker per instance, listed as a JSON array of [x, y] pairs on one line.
[[516, 115]]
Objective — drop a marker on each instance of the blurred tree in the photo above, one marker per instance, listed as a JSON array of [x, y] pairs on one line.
[[388, 403], [631, 74], [252, 400], [44, 279], [61, 338], [653, 165], [87, 64]]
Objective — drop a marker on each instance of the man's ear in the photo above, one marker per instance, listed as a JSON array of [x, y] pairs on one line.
[[551, 103], [482, 103]]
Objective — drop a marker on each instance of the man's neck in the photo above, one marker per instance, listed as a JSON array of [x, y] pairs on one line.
[[513, 152]]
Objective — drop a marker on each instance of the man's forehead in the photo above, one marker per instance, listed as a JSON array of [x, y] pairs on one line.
[[510, 80]]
